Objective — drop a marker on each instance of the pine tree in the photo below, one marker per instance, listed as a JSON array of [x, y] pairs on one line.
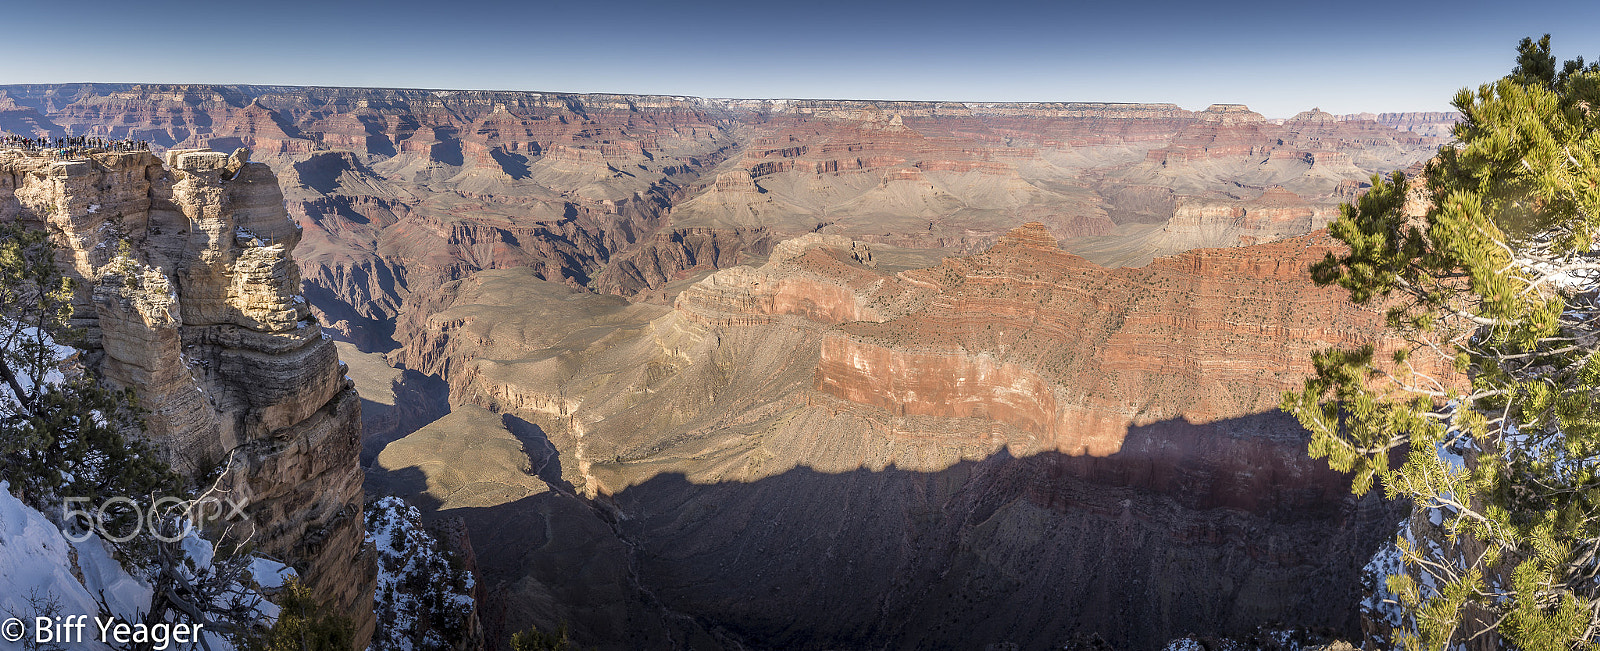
[[303, 625], [62, 433], [534, 639], [1490, 412]]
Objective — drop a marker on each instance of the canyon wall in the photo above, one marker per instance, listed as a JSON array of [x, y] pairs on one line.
[[1428, 123], [401, 191], [190, 295]]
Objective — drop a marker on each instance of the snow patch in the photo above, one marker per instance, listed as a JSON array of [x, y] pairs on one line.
[[270, 574], [43, 573], [422, 600], [243, 236], [37, 564], [1379, 604]]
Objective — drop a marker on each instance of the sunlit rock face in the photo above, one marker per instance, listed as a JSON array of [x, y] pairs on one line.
[[189, 294], [1426, 123], [1072, 353], [402, 191]]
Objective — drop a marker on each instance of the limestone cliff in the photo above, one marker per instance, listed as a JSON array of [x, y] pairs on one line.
[[190, 296]]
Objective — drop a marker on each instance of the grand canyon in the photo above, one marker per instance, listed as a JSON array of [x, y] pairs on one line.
[[681, 372]]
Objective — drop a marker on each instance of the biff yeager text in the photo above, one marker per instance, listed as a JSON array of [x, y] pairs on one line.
[[75, 629]]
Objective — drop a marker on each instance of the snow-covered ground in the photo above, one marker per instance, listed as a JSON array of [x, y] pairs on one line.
[[424, 602], [42, 573]]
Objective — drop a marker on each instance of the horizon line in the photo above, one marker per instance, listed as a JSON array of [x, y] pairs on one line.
[[681, 96]]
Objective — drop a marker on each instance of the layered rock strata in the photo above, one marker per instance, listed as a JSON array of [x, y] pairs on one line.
[[459, 229], [189, 294], [1073, 353], [403, 191], [1429, 123], [1219, 222]]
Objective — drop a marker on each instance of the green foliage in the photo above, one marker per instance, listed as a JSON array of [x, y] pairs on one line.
[[67, 439], [534, 639], [1535, 63], [62, 433], [304, 625], [1493, 285]]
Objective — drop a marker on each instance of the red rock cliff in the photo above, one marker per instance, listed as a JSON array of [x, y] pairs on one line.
[[1057, 346]]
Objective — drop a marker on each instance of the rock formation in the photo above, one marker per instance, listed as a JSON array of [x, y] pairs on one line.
[[1218, 223], [25, 121], [190, 295], [402, 191]]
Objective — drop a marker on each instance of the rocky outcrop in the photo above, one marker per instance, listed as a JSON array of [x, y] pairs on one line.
[[190, 296], [25, 121], [675, 254], [261, 129], [823, 278], [1219, 222], [1275, 215]]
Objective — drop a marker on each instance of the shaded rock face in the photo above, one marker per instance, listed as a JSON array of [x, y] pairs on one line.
[[189, 294], [25, 120], [1029, 551], [1016, 446]]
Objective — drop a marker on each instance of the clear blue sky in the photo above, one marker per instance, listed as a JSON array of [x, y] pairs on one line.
[[1279, 58]]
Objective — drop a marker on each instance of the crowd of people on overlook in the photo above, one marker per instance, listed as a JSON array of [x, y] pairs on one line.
[[72, 146]]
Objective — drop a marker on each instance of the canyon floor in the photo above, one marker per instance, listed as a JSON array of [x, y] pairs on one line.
[[730, 374]]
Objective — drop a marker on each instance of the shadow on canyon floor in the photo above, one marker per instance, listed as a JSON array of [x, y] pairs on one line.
[[543, 457], [418, 400], [1210, 528]]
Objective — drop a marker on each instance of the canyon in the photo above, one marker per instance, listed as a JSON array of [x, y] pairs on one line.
[[795, 373], [1014, 446]]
